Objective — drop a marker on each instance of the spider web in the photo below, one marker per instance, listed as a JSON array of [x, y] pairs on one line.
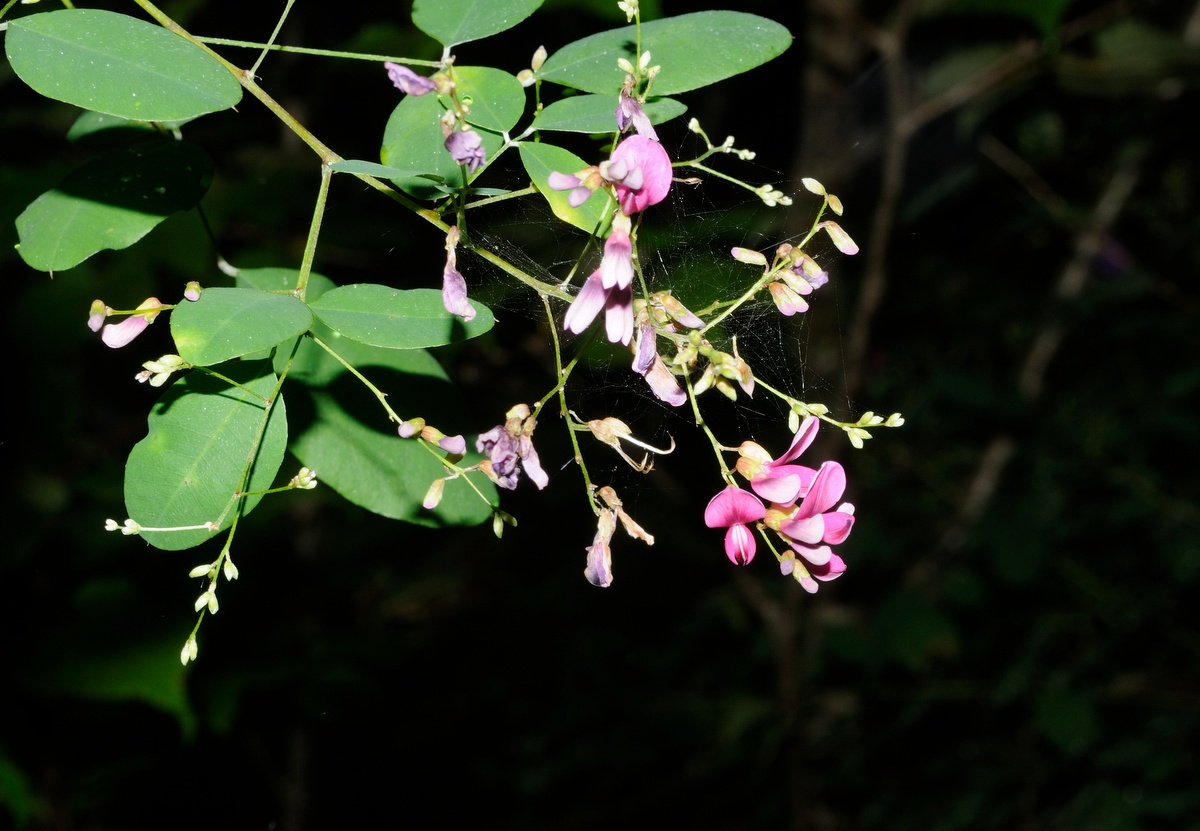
[[683, 247]]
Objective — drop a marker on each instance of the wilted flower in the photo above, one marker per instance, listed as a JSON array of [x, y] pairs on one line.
[[408, 81], [733, 508], [507, 445], [454, 287]]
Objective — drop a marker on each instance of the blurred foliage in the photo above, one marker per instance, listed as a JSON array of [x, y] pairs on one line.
[[1035, 666]]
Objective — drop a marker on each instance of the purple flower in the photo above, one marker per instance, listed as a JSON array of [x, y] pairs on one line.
[[629, 111], [454, 287], [641, 171], [599, 560], [408, 81], [508, 444], [733, 508], [466, 147]]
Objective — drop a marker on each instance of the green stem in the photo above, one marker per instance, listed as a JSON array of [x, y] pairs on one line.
[[278, 25], [305, 50], [310, 245]]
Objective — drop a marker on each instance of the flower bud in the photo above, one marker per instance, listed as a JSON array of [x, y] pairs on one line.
[[192, 291], [539, 58], [201, 571], [748, 256], [433, 496]]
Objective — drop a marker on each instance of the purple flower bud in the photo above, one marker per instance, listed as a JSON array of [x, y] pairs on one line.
[[629, 111], [408, 81], [454, 287]]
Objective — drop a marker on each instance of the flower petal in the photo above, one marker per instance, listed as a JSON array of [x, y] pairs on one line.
[[586, 305], [740, 545], [827, 488], [733, 506]]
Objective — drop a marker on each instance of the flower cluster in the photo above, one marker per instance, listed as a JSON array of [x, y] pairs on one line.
[[801, 509]]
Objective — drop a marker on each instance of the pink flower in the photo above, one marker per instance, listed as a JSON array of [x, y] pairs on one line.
[[650, 365], [813, 522], [117, 335], [776, 480], [609, 288], [734, 508], [641, 171], [408, 81]]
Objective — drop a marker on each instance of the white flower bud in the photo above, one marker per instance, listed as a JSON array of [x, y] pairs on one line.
[[230, 570], [201, 571], [201, 601]]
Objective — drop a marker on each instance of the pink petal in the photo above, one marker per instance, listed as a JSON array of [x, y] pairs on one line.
[[586, 305], [117, 335], [827, 488], [733, 506], [563, 181], [831, 570], [837, 526], [800, 442], [663, 384], [816, 556], [648, 179], [740, 545], [618, 315], [808, 530]]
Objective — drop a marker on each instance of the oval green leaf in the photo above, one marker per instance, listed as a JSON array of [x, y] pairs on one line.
[[596, 113], [395, 318], [111, 203], [115, 64], [228, 323], [413, 140], [191, 462], [694, 50], [451, 22], [495, 98], [355, 449], [540, 160]]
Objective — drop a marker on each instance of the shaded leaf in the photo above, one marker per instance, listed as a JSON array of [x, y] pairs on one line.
[[191, 462], [495, 98], [111, 203], [115, 64]]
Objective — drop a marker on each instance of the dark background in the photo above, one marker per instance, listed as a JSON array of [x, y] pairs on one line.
[[1015, 644]]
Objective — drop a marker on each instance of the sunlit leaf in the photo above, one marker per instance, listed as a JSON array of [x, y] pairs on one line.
[[694, 50], [495, 98], [202, 434], [227, 323], [111, 203], [596, 113], [396, 318], [542, 159], [451, 22], [115, 64]]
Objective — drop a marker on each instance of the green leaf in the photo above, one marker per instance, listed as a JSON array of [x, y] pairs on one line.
[[451, 22], [228, 323], [694, 50], [396, 319], [539, 160], [115, 64], [91, 124], [496, 99], [190, 464], [379, 171], [355, 449], [413, 140], [111, 203], [596, 113]]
